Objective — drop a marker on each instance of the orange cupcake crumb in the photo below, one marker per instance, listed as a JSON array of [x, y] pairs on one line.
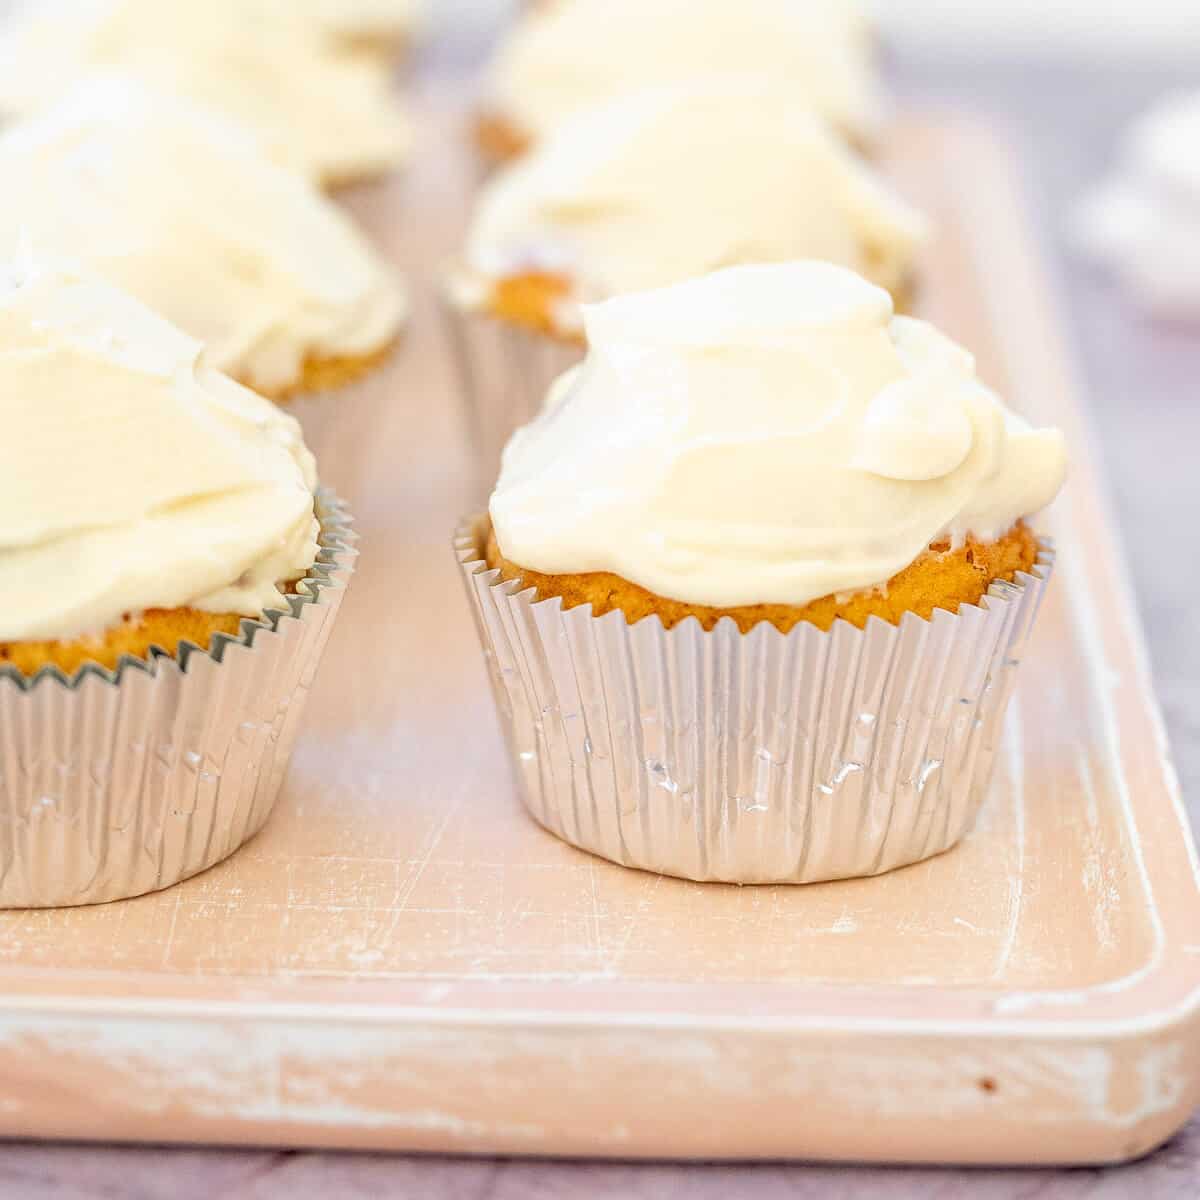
[[498, 140], [943, 577], [325, 374], [165, 628], [531, 301]]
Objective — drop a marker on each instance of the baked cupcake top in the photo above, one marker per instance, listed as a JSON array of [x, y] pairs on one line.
[[765, 435], [131, 475], [329, 115], [562, 58], [175, 205], [667, 183]]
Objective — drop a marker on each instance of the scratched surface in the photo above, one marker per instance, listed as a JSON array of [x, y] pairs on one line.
[[399, 850]]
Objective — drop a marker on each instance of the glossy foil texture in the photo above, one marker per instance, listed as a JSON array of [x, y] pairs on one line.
[[751, 758], [117, 783], [504, 372]]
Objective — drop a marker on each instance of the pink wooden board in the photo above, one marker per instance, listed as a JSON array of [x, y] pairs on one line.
[[403, 960]]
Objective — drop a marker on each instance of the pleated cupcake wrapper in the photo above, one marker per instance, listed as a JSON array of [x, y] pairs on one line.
[[318, 414], [337, 421], [116, 783], [751, 758], [504, 372]]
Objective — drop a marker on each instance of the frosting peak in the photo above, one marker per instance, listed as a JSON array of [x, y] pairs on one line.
[[130, 476], [562, 58], [670, 182], [326, 114], [766, 434], [244, 254]]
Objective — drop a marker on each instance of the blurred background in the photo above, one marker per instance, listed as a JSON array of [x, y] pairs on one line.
[[1157, 27]]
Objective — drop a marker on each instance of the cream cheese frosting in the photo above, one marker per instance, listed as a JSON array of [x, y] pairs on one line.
[[175, 205], [667, 183], [329, 115], [765, 435], [132, 476], [1144, 223], [562, 58]]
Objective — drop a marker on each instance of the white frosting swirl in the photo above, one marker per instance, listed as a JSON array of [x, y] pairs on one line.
[[1144, 223], [667, 183], [767, 434], [130, 476], [562, 58], [329, 115], [177, 207]]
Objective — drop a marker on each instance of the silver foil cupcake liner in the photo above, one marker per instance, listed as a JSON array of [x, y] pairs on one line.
[[340, 425], [116, 783], [504, 372], [339, 420], [751, 758]]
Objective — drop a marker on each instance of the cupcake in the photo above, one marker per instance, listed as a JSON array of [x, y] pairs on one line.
[[753, 587], [329, 115], [175, 205], [649, 189], [563, 58], [170, 574]]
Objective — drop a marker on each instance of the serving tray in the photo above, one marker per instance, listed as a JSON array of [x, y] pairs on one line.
[[403, 960]]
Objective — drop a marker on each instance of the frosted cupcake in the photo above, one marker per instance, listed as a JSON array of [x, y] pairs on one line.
[[330, 116], [169, 578], [753, 587], [564, 58], [649, 189], [176, 206]]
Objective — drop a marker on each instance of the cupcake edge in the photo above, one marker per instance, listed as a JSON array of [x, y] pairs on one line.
[[756, 757], [132, 779], [321, 375], [503, 371], [943, 576]]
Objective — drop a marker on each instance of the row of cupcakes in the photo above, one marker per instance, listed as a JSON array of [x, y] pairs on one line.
[[287, 70], [656, 143], [169, 565], [161, 160], [752, 584], [759, 566]]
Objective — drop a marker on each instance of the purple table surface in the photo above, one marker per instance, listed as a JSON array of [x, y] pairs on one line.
[[1141, 379]]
